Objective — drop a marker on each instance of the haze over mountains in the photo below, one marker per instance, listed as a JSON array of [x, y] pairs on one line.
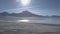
[[24, 14]]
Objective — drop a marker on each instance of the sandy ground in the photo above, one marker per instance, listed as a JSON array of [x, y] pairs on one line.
[[29, 27]]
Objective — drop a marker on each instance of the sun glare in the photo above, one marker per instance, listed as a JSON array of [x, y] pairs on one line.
[[23, 20], [25, 2]]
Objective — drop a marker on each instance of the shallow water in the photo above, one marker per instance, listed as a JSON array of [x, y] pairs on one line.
[[32, 20]]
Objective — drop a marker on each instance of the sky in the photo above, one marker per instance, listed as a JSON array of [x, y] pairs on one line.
[[40, 7]]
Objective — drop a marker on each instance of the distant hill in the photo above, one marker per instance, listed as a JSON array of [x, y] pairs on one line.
[[27, 14], [56, 16]]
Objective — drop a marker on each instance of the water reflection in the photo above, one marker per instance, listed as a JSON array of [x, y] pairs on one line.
[[32, 20]]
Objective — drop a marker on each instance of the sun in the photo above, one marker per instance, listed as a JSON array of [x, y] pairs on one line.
[[25, 2]]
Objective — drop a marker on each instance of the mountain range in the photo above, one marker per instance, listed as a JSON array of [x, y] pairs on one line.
[[23, 14]]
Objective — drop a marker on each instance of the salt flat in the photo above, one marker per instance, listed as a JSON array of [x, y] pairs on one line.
[[36, 27]]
